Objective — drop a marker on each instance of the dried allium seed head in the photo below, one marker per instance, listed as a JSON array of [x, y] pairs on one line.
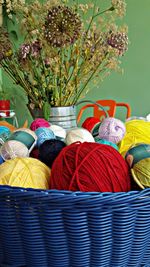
[[62, 26], [24, 51], [35, 48], [119, 41]]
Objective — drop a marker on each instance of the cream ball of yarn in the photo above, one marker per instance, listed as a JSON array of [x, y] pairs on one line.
[[78, 134], [12, 149]]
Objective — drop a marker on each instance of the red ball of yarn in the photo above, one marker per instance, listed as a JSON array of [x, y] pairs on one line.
[[34, 153], [90, 167], [39, 122], [92, 125]]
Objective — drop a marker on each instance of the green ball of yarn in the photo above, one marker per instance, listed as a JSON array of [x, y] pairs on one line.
[[105, 142], [138, 158]]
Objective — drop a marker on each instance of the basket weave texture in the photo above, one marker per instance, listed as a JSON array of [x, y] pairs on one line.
[[74, 229]]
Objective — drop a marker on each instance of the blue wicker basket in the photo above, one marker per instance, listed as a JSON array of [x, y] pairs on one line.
[[73, 229]]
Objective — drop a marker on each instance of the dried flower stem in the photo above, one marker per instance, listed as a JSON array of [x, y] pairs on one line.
[[88, 80], [44, 72], [18, 79], [104, 11], [89, 26], [1, 14], [60, 76], [96, 15], [67, 82]]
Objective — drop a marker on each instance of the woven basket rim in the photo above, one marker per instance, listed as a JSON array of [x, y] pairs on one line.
[[75, 195]]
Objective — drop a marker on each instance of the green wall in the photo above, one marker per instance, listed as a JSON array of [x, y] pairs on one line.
[[133, 85]]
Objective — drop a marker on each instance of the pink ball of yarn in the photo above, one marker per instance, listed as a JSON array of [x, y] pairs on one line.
[[112, 130], [39, 122]]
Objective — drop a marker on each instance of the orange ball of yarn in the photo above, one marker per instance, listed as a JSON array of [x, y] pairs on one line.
[[90, 167]]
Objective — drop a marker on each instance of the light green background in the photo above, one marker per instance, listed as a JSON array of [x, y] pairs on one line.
[[132, 86]]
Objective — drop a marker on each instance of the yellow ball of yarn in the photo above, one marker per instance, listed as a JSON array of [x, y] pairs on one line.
[[25, 172], [141, 173], [137, 132]]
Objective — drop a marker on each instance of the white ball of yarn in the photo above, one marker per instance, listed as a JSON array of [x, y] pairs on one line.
[[59, 132], [13, 149], [112, 130], [79, 134]]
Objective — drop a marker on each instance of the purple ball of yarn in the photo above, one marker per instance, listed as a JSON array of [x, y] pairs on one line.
[[39, 123], [112, 130], [49, 150]]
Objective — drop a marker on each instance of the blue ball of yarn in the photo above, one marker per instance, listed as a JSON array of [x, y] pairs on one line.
[[4, 129], [105, 142], [43, 134], [49, 150], [4, 133], [1, 160]]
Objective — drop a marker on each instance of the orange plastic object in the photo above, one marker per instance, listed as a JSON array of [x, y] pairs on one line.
[[12, 127], [7, 124], [99, 113], [25, 125]]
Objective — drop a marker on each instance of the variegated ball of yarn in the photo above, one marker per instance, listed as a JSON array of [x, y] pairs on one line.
[[78, 135], [112, 129], [4, 134], [25, 136], [44, 134], [138, 158], [25, 172], [59, 132], [12, 149], [39, 122]]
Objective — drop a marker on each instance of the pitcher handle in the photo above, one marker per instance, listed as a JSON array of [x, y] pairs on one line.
[[95, 103]]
